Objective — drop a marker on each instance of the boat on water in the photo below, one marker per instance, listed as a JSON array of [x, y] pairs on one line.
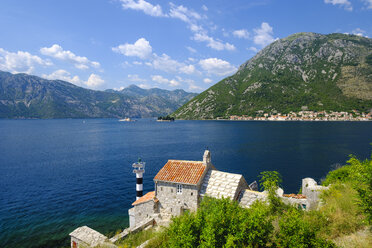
[[126, 119]]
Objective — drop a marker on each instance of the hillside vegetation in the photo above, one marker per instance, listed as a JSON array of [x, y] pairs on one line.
[[26, 96], [321, 72], [343, 219]]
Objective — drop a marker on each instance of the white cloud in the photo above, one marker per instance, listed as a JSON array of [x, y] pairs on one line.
[[183, 13], [120, 88], [359, 32], [94, 81], [57, 52], [144, 86], [207, 80], [216, 66], [188, 69], [162, 80], [167, 64], [173, 83], [241, 33], [20, 61], [137, 63], [253, 49], [159, 79], [194, 87], [212, 43], [62, 75], [205, 8], [196, 28], [191, 83], [368, 3], [135, 78], [263, 35], [192, 50], [125, 64], [343, 3], [190, 17], [141, 48], [146, 7]]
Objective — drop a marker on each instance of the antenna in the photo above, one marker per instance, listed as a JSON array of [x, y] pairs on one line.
[[139, 169]]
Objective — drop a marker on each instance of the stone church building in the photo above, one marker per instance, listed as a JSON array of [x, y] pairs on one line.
[[180, 186]]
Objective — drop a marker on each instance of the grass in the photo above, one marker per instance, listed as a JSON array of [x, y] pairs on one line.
[[360, 239], [340, 214], [342, 220], [136, 239]]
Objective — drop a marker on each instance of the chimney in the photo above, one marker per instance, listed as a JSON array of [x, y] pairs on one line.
[[207, 158]]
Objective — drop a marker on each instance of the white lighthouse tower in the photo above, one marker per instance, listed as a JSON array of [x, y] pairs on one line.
[[139, 169]]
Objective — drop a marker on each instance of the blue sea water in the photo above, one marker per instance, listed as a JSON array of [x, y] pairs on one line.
[[56, 175]]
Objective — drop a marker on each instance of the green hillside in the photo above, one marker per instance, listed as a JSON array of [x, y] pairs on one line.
[[321, 72], [27, 96]]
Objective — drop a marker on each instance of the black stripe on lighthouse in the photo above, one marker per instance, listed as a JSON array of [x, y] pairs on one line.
[[139, 185]]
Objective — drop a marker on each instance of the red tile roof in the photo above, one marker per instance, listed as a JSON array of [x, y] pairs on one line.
[[180, 171], [149, 196], [298, 196]]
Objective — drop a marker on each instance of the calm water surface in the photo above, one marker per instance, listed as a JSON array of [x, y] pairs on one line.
[[56, 175]]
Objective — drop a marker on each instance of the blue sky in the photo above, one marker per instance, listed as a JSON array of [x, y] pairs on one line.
[[105, 44]]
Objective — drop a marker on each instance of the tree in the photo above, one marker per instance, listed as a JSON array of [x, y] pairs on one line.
[[270, 181]]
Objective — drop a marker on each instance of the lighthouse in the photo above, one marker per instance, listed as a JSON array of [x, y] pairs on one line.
[[139, 169]]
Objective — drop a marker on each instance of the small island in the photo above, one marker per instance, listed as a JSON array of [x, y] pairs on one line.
[[165, 118]]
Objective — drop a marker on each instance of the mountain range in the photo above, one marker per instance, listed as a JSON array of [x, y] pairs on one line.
[[303, 71], [27, 96]]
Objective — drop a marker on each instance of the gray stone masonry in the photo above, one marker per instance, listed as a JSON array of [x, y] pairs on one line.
[[86, 237], [312, 192], [248, 197], [173, 203], [300, 203], [220, 184], [141, 212]]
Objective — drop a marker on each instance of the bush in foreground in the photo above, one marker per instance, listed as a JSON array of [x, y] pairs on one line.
[[346, 209]]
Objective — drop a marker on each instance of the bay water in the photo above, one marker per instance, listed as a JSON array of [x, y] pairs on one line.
[[57, 175]]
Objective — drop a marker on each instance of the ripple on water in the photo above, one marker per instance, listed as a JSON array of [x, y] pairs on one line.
[[56, 175]]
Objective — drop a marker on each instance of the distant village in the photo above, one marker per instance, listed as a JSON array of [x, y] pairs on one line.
[[306, 116]]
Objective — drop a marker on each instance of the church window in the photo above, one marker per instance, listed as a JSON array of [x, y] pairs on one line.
[[179, 189]]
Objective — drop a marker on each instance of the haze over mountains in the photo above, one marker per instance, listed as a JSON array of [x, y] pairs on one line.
[[321, 72], [27, 96]]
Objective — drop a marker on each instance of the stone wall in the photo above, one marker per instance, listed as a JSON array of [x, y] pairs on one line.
[[170, 202], [141, 212], [312, 191], [248, 197], [78, 242], [300, 203]]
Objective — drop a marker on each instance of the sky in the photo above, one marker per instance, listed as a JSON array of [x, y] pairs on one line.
[[186, 44]]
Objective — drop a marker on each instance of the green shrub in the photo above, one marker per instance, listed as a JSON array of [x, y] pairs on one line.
[[296, 232], [270, 181], [358, 173], [222, 223], [342, 174], [341, 211]]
